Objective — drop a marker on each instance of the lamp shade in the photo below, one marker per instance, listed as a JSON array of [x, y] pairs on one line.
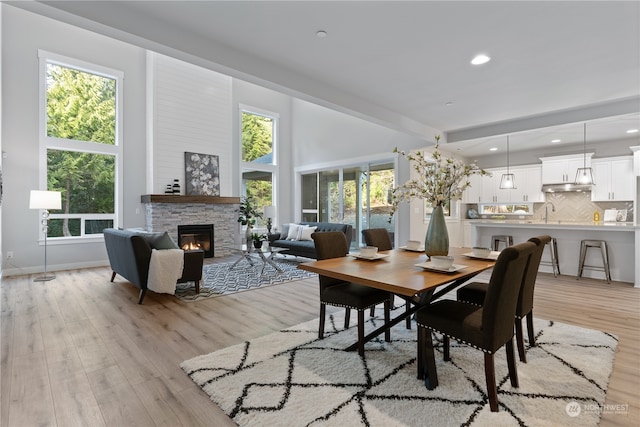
[[45, 200], [269, 211]]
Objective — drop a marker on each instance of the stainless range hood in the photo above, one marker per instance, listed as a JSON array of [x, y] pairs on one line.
[[565, 186]]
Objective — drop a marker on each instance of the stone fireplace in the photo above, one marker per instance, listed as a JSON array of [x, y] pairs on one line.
[[164, 212]]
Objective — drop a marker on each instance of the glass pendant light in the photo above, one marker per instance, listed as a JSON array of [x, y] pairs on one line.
[[508, 180], [584, 175]]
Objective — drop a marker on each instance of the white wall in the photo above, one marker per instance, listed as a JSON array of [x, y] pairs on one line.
[[189, 110], [23, 33]]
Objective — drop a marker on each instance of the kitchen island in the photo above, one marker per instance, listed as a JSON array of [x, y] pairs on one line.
[[620, 237]]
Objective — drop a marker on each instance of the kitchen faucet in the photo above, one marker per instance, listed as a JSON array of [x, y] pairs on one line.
[[546, 211]]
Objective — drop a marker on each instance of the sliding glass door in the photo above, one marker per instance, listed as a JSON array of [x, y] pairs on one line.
[[355, 195]]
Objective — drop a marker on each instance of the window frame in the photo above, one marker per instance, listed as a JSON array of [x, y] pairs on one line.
[[272, 168], [48, 142]]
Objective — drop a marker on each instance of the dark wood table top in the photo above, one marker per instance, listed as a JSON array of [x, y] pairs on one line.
[[397, 272]]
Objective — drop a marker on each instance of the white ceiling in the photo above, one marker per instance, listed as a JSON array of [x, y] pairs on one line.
[[554, 65]]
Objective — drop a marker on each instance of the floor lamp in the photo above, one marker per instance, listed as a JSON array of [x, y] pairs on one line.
[[45, 200]]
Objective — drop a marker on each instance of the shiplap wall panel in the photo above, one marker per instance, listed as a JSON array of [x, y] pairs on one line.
[[191, 111]]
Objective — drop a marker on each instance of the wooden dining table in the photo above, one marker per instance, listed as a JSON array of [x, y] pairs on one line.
[[396, 271]]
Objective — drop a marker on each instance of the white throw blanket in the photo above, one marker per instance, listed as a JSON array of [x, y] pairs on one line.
[[165, 268]]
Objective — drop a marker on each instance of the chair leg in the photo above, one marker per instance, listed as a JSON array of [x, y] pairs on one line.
[[420, 352], [347, 317], [113, 276], [197, 285], [142, 294], [321, 325], [361, 333], [530, 331], [387, 320], [372, 312], [490, 377], [446, 342], [520, 341], [431, 381], [511, 362]]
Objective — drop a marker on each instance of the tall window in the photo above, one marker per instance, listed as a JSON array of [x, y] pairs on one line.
[[79, 147], [259, 166]]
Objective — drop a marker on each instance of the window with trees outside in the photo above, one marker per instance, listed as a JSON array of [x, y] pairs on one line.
[[259, 166], [80, 144]]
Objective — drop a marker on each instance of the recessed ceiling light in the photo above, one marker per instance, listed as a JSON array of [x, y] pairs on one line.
[[448, 104], [493, 149], [632, 131], [480, 59], [321, 33], [554, 141]]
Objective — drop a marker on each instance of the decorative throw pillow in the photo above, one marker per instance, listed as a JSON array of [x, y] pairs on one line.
[[284, 232], [159, 240], [306, 232], [294, 232]]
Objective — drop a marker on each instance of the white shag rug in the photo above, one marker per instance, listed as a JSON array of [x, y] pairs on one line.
[[290, 378]]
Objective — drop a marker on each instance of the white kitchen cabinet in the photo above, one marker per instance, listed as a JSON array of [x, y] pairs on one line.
[[559, 169], [491, 191], [613, 178], [474, 191], [528, 184]]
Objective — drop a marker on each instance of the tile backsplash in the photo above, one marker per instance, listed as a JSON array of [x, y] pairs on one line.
[[578, 207]]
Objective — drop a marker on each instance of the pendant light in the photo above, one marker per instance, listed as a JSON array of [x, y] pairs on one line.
[[508, 181], [584, 175]]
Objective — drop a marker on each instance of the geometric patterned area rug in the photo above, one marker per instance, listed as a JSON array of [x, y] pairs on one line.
[[290, 378], [219, 279]]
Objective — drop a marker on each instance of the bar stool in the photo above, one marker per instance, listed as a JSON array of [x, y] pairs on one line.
[[506, 239], [553, 252], [586, 244]]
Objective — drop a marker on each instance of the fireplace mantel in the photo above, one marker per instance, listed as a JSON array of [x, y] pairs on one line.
[[176, 198]]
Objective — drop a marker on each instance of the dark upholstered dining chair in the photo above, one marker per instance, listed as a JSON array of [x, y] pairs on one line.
[[487, 327], [381, 238], [377, 237], [336, 292], [475, 293]]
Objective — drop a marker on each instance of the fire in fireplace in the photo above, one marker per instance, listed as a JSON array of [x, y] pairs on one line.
[[200, 236]]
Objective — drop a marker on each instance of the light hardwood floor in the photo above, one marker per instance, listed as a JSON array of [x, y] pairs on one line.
[[79, 350]]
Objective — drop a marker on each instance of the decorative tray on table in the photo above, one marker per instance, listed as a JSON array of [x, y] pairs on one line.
[[428, 266], [492, 256], [419, 249], [368, 258]]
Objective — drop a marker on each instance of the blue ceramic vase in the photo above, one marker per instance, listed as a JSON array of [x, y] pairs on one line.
[[436, 241]]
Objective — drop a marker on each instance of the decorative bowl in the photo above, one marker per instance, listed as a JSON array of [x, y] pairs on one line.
[[442, 262], [368, 251], [481, 252]]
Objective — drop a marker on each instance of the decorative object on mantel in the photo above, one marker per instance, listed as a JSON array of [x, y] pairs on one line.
[[169, 189], [290, 378], [202, 174], [176, 186], [440, 180]]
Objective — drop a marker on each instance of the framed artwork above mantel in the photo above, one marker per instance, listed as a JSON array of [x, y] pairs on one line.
[[202, 174]]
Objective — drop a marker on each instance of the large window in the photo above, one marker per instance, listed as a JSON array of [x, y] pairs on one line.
[[259, 166], [80, 144]]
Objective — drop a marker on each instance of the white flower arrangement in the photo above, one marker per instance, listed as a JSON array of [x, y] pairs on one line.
[[439, 179]]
